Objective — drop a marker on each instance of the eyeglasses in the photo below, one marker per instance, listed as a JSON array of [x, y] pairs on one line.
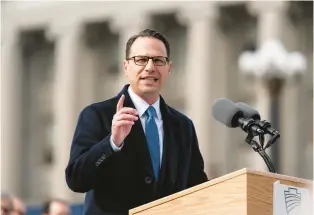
[[143, 60]]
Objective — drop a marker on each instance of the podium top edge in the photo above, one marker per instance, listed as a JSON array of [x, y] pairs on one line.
[[276, 175], [212, 182]]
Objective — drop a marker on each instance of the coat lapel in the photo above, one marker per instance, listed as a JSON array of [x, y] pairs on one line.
[[170, 157], [136, 140]]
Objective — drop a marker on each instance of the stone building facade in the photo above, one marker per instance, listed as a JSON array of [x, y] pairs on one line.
[[58, 57]]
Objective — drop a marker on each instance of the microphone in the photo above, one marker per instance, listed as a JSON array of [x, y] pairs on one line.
[[249, 112], [232, 115], [229, 114]]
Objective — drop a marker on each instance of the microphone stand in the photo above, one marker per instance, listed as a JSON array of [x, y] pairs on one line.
[[259, 148], [271, 141]]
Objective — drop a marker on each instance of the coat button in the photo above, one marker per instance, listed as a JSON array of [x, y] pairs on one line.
[[148, 180]]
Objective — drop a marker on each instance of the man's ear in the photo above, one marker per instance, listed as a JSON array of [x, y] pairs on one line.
[[125, 67], [170, 67]]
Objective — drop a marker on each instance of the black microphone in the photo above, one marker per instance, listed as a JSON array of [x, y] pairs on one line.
[[249, 112], [229, 114]]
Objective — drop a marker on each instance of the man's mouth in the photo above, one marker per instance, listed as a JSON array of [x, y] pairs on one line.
[[150, 78]]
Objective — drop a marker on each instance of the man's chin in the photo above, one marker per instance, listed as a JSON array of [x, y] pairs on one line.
[[149, 90]]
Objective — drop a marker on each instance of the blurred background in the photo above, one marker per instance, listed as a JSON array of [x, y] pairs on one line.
[[58, 57]]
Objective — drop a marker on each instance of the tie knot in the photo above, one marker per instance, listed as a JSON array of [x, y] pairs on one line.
[[151, 112]]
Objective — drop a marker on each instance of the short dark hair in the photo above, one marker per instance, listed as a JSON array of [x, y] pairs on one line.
[[147, 33], [47, 204]]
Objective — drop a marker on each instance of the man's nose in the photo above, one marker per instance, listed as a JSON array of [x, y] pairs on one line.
[[150, 66]]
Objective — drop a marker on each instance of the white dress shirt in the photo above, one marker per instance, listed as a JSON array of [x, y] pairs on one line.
[[141, 106]]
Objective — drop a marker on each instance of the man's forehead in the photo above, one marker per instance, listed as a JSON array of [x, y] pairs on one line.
[[148, 46]]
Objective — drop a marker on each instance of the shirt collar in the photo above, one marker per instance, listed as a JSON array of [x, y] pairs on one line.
[[141, 105]]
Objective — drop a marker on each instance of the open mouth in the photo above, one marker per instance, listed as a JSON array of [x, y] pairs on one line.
[[150, 78]]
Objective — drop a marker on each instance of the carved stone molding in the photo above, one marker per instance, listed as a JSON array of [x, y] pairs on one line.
[[192, 12], [257, 7], [129, 22], [60, 28]]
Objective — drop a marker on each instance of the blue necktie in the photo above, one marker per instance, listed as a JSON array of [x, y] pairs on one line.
[[152, 137]]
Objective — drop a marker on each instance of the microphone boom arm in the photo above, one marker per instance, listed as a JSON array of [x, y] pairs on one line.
[[257, 148]]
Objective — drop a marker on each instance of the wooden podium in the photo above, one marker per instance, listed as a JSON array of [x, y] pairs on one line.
[[244, 192]]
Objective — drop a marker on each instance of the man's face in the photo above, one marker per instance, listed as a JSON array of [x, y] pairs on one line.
[[147, 80], [59, 208]]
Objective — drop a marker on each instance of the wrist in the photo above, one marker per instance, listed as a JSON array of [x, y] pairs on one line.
[[114, 147], [115, 142]]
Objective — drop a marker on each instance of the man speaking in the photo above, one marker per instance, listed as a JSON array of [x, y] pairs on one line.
[[133, 148]]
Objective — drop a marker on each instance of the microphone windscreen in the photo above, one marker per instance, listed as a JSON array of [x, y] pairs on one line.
[[226, 112], [248, 111]]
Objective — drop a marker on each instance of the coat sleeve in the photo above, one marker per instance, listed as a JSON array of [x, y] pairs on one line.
[[90, 151], [196, 171]]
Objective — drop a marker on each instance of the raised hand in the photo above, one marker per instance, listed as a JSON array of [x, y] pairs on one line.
[[122, 122]]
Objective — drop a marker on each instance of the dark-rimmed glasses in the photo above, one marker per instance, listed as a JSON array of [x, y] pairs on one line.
[[143, 60]]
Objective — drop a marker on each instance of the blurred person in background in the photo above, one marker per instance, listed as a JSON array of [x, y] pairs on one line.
[[56, 207], [133, 148], [6, 204], [18, 206]]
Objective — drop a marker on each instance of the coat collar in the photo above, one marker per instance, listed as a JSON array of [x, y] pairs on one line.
[[164, 108]]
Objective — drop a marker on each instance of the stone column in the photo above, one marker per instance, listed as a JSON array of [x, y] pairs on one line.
[[11, 96], [88, 77], [293, 128], [127, 25], [200, 20], [270, 17], [295, 110], [272, 24], [67, 37]]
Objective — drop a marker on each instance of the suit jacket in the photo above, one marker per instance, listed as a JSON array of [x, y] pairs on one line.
[[115, 182]]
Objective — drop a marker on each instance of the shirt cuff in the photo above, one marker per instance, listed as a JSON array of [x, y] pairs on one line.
[[114, 147]]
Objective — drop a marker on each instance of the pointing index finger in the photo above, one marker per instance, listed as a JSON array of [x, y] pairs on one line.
[[120, 103]]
